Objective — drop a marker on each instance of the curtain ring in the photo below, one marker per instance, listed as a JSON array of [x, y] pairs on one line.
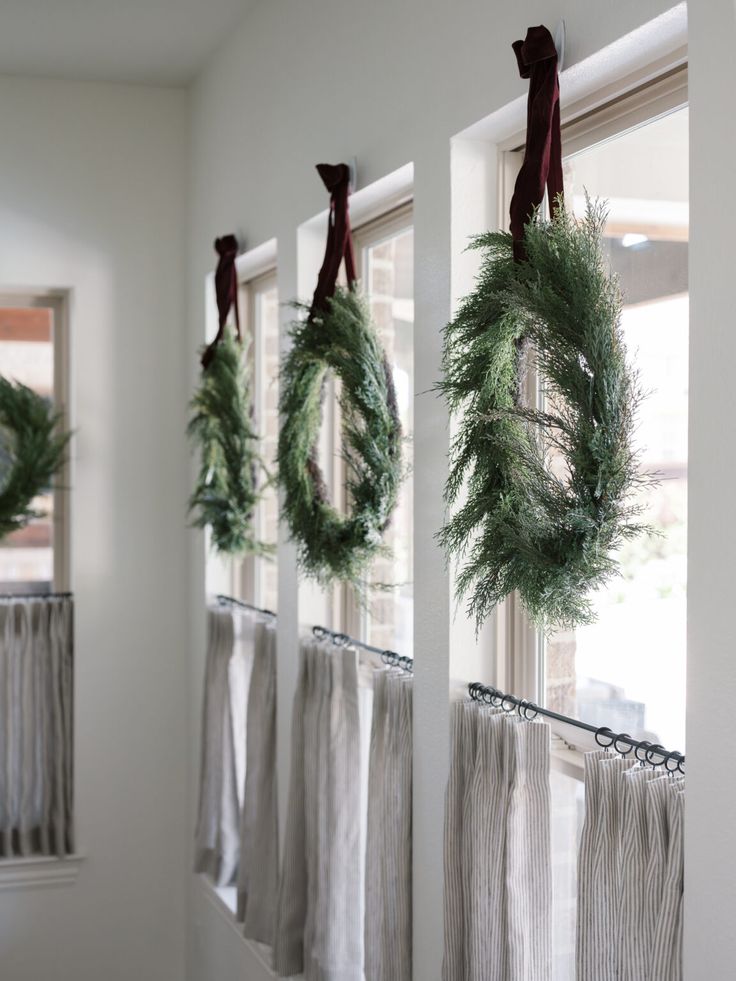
[[340, 640], [642, 745], [487, 696], [496, 698], [656, 750], [673, 757], [623, 752], [600, 733], [680, 764], [472, 689], [319, 632], [530, 707], [503, 704]]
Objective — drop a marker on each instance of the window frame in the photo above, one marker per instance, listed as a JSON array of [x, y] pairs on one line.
[[521, 666], [352, 616], [246, 573], [58, 302]]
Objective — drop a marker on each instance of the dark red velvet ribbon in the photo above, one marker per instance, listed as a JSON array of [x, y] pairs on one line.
[[336, 178], [226, 290], [537, 59]]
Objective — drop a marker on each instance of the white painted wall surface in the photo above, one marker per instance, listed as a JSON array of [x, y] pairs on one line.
[[710, 815], [390, 83], [92, 191]]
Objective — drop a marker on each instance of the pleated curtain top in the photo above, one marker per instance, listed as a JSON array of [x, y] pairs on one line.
[[630, 872], [497, 850], [36, 726]]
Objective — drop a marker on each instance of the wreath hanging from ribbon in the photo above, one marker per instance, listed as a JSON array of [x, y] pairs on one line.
[[549, 491], [32, 451], [227, 490], [339, 337]]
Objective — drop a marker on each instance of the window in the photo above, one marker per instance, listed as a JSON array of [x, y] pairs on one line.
[[33, 350], [254, 578], [627, 669], [385, 258], [258, 576]]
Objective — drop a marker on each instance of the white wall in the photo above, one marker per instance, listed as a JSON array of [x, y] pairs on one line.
[[710, 828], [92, 192], [391, 83]]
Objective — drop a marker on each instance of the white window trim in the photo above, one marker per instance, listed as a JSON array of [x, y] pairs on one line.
[[39, 871], [654, 92]]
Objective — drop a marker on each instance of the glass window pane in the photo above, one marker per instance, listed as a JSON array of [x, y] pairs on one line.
[[389, 284], [627, 670], [27, 356]]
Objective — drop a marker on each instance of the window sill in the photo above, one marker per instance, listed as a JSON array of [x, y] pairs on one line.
[[39, 872], [567, 759], [224, 901]]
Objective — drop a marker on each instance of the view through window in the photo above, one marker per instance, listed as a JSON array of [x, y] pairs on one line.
[[265, 330], [27, 356], [388, 280], [627, 669]]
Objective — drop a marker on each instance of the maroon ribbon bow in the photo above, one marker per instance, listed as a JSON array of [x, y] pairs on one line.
[[336, 178], [536, 56], [226, 290]]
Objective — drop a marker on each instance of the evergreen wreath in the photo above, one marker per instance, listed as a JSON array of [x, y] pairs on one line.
[[525, 525], [32, 451], [226, 492], [342, 339]]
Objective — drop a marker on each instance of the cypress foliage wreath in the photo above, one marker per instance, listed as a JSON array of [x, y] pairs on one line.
[[344, 341], [338, 336], [226, 492], [32, 451], [525, 526], [528, 524]]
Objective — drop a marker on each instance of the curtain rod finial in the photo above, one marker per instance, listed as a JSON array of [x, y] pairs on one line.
[[353, 168], [560, 35]]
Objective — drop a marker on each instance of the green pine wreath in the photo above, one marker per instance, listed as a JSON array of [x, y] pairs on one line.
[[343, 340], [549, 532], [227, 489], [32, 451]]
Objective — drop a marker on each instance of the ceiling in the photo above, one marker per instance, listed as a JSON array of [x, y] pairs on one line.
[[154, 41]]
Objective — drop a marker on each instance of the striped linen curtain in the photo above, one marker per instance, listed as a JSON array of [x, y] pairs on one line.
[[36, 727], [388, 902], [498, 876], [257, 880], [319, 927], [222, 768], [630, 872]]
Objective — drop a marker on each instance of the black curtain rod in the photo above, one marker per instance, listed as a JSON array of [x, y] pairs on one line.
[[644, 751], [221, 598], [391, 658], [5, 596]]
